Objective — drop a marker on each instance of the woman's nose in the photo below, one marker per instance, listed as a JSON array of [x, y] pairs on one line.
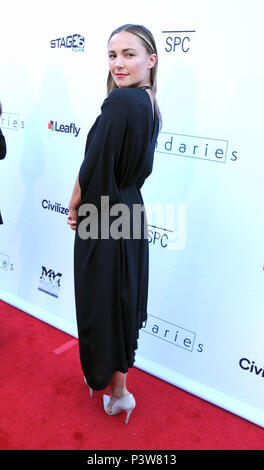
[[119, 62]]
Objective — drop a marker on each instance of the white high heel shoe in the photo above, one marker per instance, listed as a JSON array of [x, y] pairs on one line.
[[91, 390], [126, 403]]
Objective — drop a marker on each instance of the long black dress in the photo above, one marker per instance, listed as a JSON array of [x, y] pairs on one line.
[[111, 274], [2, 155]]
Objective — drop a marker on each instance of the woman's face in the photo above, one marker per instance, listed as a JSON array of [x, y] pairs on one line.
[[129, 62]]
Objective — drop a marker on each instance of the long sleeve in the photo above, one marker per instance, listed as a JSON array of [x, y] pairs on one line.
[[97, 172], [2, 146]]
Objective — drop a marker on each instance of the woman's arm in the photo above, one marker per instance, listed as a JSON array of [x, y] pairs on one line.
[[73, 204], [2, 146]]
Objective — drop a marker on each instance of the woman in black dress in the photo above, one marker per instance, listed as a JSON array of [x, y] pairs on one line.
[[111, 267], [2, 151]]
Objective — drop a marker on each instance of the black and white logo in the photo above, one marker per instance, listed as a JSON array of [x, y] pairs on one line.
[[5, 263], [196, 147], [50, 282], [251, 367], [11, 121], [54, 207], [171, 333]]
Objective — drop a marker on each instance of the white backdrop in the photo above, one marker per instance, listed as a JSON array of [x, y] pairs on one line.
[[205, 327]]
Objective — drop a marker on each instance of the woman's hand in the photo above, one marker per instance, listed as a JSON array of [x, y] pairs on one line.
[[72, 218], [73, 205]]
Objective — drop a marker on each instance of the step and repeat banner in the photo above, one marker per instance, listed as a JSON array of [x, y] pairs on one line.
[[204, 199]]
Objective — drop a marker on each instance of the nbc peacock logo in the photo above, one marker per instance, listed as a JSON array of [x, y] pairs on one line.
[[51, 125]]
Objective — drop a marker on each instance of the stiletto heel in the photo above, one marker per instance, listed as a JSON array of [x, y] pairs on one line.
[[126, 403], [91, 390], [128, 414]]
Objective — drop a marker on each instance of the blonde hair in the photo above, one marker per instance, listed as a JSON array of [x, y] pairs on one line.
[[148, 42]]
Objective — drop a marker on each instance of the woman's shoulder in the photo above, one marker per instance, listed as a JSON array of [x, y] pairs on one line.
[[120, 94], [126, 104], [120, 97]]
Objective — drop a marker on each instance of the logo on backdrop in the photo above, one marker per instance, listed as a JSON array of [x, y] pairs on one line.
[[11, 121], [178, 41], [65, 128], [49, 282], [55, 207], [167, 232], [5, 262], [158, 235], [73, 42], [251, 367], [203, 148], [174, 334]]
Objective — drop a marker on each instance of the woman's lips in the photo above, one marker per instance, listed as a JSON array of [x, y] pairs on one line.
[[121, 75]]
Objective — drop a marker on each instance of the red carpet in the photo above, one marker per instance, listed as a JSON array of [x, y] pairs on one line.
[[45, 404]]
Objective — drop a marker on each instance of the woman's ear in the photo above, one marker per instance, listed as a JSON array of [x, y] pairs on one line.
[[152, 60]]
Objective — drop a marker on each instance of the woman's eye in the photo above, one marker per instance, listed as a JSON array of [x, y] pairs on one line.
[[128, 54]]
